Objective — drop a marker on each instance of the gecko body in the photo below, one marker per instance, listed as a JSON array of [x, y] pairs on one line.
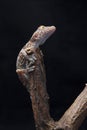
[[26, 58]]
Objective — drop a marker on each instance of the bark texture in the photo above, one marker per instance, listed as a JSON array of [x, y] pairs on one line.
[[72, 118]]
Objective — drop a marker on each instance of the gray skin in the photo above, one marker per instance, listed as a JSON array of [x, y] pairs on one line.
[[41, 35], [26, 58]]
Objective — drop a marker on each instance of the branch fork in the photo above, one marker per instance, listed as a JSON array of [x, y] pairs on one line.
[[31, 72]]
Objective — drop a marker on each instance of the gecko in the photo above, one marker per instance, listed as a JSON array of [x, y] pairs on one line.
[[26, 58]]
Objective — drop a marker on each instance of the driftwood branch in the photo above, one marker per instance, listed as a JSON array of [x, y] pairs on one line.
[[74, 116], [31, 71]]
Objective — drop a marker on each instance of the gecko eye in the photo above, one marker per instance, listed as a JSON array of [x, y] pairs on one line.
[[42, 27]]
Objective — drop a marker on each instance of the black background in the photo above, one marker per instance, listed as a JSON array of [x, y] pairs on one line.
[[65, 57]]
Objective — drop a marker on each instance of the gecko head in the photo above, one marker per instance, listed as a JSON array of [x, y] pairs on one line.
[[42, 34]]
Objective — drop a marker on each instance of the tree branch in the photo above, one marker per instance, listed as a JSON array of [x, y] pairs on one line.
[[38, 94], [30, 69], [74, 116]]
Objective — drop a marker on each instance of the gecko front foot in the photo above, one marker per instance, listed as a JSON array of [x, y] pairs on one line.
[[25, 64], [27, 60]]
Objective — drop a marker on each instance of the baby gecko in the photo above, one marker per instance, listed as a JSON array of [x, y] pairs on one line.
[[26, 58]]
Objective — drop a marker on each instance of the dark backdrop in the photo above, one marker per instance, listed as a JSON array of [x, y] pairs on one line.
[[65, 55]]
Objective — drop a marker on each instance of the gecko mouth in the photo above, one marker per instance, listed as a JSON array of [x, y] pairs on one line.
[[51, 30]]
